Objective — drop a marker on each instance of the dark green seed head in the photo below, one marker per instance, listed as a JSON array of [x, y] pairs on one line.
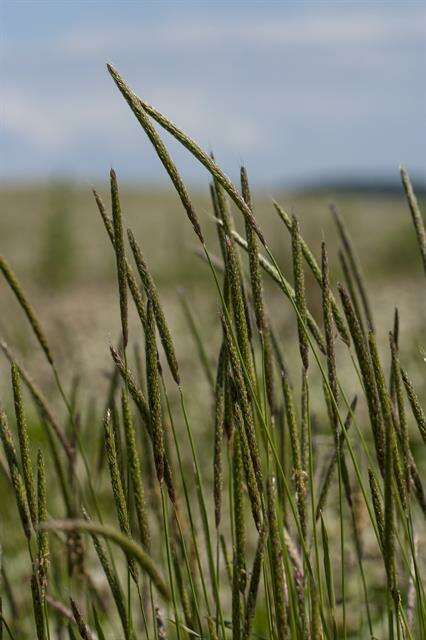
[[299, 289], [154, 398], [159, 146], [416, 215], [17, 289], [24, 444], [277, 567], [329, 339], [117, 488], [367, 373], [152, 293], [416, 407], [133, 461], [120, 255], [43, 555]]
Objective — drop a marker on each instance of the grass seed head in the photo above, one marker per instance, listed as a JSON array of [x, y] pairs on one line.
[[152, 293], [120, 256], [41, 402], [134, 466], [255, 277], [277, 567], [314, 267], [159, 147], [140, 109], [243, 402], [43, 554], [219, 417], [253, 487], [17, 289], [38, 608], [329, 338], [416, 407], [299, 289], [154, 397], [240, 528], [367, 373], [354, 263], [117, 488], [24, 444], [416, 215], [15, 475], [254, 582]]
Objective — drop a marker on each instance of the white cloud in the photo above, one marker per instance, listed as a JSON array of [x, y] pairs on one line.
[[52, 123], [319, 28], [239, 84], [55, 123]]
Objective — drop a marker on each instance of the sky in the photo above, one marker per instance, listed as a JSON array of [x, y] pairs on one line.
[[298, 91]]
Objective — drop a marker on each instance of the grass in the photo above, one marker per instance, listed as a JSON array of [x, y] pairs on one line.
[[224, 495]]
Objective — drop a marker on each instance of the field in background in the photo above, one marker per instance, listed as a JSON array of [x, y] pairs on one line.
[[54, 239]]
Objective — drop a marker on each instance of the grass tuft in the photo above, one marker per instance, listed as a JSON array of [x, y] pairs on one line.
[[243, 507]]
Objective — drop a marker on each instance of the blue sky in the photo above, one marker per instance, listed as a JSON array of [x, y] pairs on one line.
[[296, 90]]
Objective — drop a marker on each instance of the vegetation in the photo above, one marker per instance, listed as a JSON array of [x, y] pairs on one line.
[[243, 528]]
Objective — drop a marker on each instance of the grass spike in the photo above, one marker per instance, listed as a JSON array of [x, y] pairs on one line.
[[219, 416], [152, 293], [287, 289], [367, 373], [134, 463], [24, 444], [120, 256], [138, 107], [43, 553], [159, 147], [416, 407], [354, 264], [254, 583], [117, 489], [416, 215], [277, 567], [316, 270], [15, 475], [299, 289], [17, 289], [38, 609], [154, 398]]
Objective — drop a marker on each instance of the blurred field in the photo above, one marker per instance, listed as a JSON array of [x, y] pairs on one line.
[[55, 241], [53, 237]]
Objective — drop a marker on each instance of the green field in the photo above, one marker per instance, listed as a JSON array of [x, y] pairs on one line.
[[54, 238]]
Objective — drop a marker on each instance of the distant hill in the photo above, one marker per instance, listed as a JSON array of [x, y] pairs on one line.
[[380, 186]]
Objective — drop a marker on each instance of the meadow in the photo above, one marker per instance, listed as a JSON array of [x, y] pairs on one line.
[[212, 426]]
